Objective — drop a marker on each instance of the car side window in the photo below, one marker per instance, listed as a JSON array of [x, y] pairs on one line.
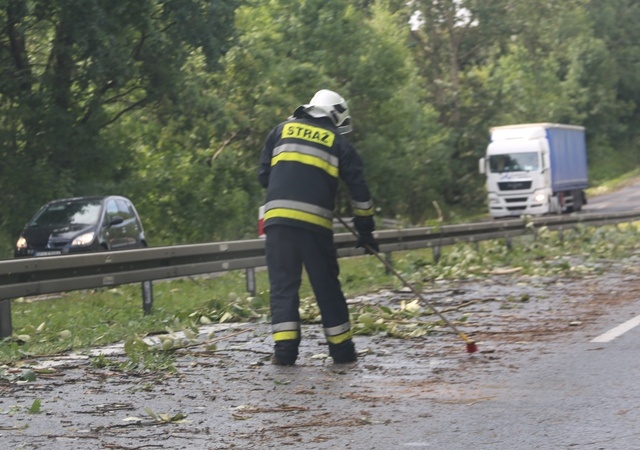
[[124, 209], [111, 211]]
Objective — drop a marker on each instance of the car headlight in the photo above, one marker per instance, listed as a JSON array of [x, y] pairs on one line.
[[21, 244], [83, 239], [539, 197]]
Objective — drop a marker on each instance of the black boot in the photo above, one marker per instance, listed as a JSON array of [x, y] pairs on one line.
[[285, 353], [344, 352]]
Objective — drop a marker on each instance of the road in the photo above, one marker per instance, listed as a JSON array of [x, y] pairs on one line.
[[624, 199], [570, 393], [537, 382], [542, 379]]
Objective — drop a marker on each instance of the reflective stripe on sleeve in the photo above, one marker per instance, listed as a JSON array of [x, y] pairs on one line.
[[363, 208]]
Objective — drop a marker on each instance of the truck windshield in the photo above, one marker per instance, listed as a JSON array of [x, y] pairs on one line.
[[513, 162]]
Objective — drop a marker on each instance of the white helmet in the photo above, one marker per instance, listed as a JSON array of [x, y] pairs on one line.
[[329, 104]]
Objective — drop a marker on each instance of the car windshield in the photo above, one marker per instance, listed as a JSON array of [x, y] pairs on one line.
[[69, 213]]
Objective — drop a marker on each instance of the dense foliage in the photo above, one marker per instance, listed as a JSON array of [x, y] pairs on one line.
[[168, 101]]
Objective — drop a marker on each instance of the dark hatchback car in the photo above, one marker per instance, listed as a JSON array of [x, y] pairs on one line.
[[82, 224]]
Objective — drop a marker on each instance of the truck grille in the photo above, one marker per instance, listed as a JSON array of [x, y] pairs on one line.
[[514, 185]]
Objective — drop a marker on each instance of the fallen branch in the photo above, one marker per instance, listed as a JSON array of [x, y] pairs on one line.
[[118, 446], [322, 423], [212, 341], [469, 303], [283, 408], [461, 305], [505, 271]]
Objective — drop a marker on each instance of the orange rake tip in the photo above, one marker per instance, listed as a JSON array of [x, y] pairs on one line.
[[472, 347]]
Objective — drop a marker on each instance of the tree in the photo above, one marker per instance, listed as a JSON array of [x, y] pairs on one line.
[[279, 62], [511, 61], [69, 74], [615, 62]]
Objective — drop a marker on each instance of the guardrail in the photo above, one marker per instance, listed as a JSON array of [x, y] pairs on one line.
[[35, 276]]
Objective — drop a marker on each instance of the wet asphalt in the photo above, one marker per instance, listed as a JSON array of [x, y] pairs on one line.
[[536, 382]]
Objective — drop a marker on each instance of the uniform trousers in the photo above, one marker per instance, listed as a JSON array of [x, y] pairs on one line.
[[288, 250]]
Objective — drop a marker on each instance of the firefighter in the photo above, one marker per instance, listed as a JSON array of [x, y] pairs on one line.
[[301, 164]]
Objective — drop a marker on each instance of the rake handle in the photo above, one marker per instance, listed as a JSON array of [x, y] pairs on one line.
[[464, 337]]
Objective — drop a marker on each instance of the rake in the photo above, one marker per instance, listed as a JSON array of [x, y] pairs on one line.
[[471, 345]]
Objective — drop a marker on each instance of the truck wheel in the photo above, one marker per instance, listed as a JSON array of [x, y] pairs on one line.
[[555, 206], [577, 200], [561, 203]]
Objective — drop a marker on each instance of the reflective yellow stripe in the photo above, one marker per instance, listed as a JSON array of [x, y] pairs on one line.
[[305, 159], [298, 215], [363, 212], [285, 335], [340, 338], [300, 206], [306, 149], [308, 133]]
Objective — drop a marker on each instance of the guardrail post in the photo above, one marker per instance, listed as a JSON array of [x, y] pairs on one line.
[[387, 257], [251, 280], [436, 253], [147, 296], [5, 318]]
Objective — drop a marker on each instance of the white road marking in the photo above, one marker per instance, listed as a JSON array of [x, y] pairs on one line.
[[618, 331]]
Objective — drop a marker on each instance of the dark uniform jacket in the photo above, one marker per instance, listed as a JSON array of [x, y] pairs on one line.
[[300, 165]]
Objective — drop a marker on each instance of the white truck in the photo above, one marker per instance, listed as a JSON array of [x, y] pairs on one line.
[[535, 169]]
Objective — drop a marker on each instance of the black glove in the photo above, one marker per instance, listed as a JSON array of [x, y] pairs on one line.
[[367, 241], [364, 224]]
